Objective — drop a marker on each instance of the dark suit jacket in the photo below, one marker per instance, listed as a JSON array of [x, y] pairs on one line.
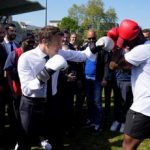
[[3, 57]]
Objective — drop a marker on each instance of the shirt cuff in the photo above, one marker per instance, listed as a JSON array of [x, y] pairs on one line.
[[89, 54]]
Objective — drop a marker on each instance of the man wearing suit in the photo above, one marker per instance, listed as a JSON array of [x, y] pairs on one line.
[[9, 39], [3, 56]]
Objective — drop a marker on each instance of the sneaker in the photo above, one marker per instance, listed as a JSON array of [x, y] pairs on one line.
[[45, 145], [114, 126], [122, 128], [16, 146]]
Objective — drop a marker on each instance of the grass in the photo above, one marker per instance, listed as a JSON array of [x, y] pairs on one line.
[[106, 140], [85, 139]]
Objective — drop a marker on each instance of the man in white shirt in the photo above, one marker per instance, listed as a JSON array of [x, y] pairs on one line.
[[40, 106], [137, 126]]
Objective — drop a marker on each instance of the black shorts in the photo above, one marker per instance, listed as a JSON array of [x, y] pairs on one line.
[[137, 125]]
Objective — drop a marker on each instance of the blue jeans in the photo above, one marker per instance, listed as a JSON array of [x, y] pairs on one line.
[[94, 101], [122, 100]]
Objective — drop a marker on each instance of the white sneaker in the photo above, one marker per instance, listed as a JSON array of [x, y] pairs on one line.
[[122, 128], [46, 145], [114, 126], [16, 146]]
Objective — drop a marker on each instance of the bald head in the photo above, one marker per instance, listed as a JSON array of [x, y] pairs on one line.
[[91, 35]]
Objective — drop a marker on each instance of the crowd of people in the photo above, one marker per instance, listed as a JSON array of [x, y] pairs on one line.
[[44, 83]]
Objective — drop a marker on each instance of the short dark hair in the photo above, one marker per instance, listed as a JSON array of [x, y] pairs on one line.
[[9, 25], [48, 33]]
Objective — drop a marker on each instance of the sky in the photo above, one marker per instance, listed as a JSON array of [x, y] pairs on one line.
[[137, 10]]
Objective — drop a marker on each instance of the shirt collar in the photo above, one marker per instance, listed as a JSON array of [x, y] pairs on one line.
[[40, 52], [6, 40]]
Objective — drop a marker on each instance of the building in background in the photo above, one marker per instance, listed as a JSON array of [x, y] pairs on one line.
[[54, 22], [8, 8], [24, 28]]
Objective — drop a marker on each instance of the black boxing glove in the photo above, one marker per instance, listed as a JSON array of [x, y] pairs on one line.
[[94, 49]]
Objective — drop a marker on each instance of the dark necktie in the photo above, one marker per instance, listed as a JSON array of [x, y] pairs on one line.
[[49, 83], [11, 46]]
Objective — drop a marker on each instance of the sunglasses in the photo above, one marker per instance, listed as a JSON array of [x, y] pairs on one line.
[[92, 38]]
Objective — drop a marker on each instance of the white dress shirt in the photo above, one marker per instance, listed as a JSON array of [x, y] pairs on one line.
[[32, 62]]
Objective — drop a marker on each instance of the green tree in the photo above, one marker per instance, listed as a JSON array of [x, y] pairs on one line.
[[110, 15], [69, 24], [77, 13], [110, 18], [93, 15], [94, 12]]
